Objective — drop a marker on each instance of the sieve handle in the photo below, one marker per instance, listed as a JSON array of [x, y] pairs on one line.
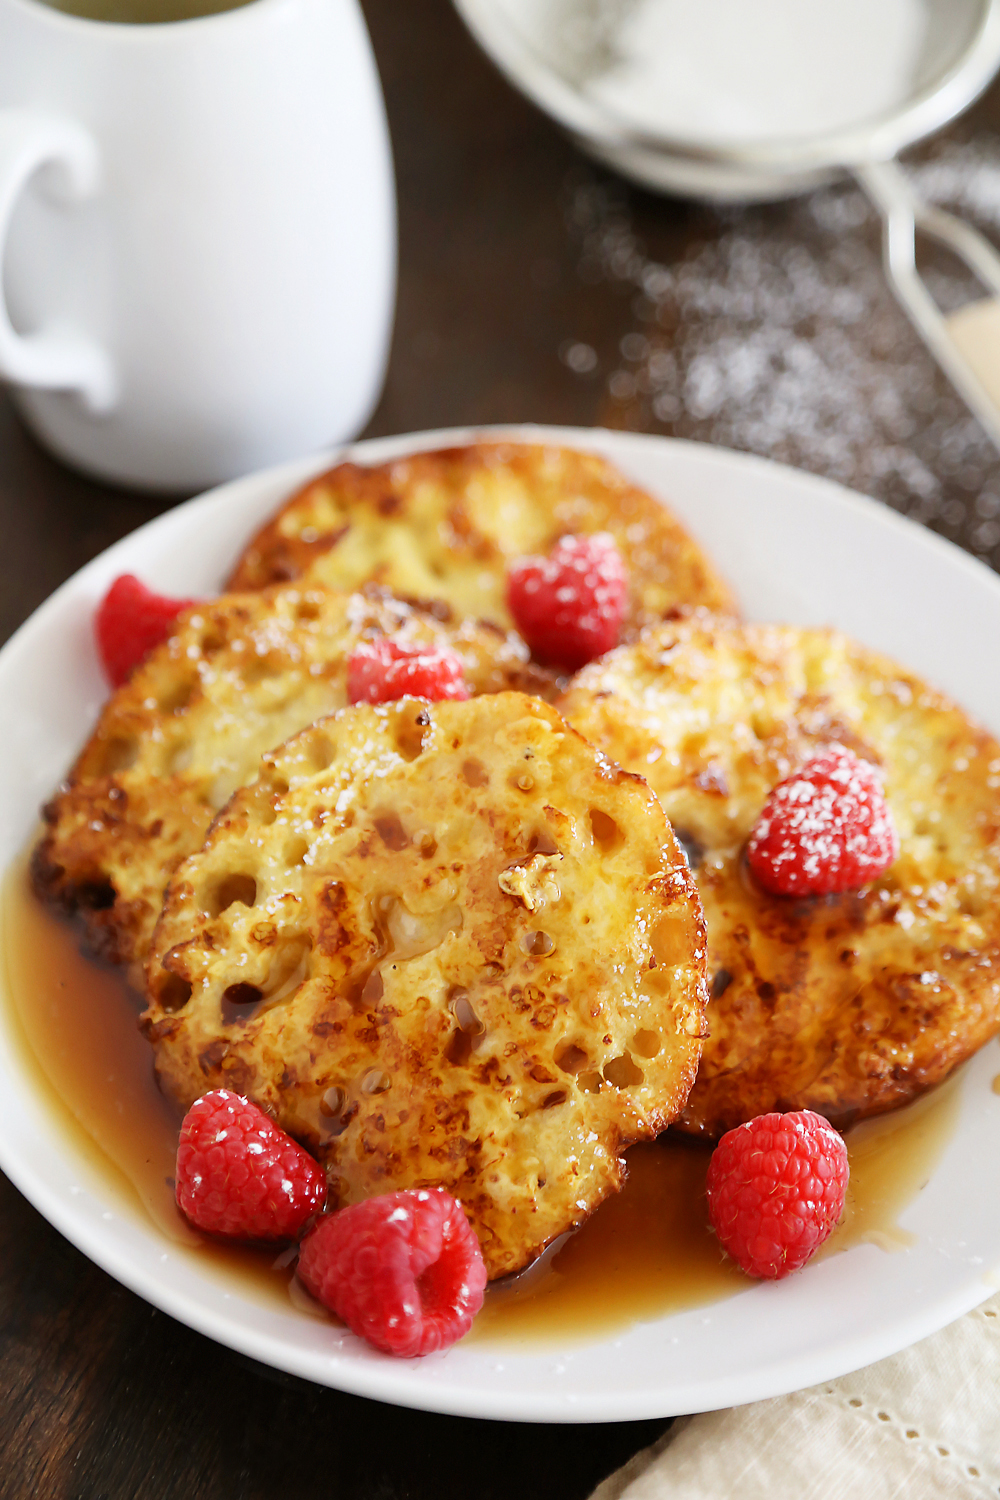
[[957, 342]]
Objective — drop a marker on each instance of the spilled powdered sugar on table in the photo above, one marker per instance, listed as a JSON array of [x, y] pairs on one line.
[[777, 333]]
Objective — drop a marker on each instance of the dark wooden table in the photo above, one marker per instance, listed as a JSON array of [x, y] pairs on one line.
[[533, 287]]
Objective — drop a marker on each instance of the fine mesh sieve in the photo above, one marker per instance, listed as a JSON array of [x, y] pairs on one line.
[[919, 63]]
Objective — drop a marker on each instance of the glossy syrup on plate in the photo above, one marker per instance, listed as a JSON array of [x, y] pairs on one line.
[[647, 1252]]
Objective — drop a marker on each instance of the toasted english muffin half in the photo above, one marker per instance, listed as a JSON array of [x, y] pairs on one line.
[[850, 1004], [443, 527], [445, 945], [239, 675]]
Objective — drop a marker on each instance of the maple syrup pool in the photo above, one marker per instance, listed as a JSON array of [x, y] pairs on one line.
[[648, 1251]]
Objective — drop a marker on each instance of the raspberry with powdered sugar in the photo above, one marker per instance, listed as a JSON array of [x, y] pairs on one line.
[[569, 606], [383, 671], [826, 828]]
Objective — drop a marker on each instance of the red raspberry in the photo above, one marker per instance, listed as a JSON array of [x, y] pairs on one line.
[[827, 828], [403, 1270], [240, 1175], [569, 606], [382, 671], [776, 1189], [129, 622]]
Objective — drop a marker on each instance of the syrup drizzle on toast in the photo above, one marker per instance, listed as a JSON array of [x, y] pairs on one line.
[[645, 1253]]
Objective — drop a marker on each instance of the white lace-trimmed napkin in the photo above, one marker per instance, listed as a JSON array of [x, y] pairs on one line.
[[924, 1425]]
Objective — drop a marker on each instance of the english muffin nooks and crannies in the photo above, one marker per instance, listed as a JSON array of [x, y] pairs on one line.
[[848, 1004], [445, 944], [239, 675], [445, 526]]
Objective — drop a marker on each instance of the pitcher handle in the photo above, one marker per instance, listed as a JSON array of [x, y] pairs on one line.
[[53, 358]]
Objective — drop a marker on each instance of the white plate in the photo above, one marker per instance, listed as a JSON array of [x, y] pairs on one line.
[[797, 548]]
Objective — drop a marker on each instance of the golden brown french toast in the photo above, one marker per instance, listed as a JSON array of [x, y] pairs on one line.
[[444, 944], [444, 526], [239, 675], [851, 1004]]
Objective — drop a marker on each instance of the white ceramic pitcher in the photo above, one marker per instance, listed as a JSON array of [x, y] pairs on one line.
[[197, 236]]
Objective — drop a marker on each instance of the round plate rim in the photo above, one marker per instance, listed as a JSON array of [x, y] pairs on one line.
[[360, 1372]]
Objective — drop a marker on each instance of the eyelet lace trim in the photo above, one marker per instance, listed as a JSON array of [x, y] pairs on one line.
[[986, 1475]]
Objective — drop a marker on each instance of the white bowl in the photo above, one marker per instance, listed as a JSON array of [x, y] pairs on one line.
[[527, 41]]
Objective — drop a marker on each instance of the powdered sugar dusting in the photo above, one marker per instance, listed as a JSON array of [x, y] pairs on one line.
[[725, 69], [779, 335]]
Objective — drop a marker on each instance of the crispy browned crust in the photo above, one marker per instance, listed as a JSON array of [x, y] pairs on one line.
[[445, 945], [239, 675], [444, 527], [849, 1005]]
